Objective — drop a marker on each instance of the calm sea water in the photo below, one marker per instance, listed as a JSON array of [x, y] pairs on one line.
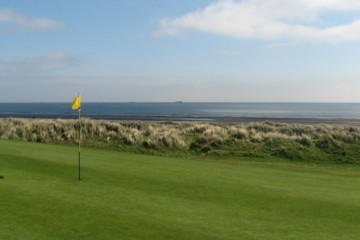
[[183, 111]]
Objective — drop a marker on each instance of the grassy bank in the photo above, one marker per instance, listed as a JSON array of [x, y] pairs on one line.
[[312, 143], [130, 196]]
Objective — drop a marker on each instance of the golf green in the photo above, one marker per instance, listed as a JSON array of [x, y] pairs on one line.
[[129, 196]]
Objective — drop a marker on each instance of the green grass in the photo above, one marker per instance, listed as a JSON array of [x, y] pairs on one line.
[[129, 196]]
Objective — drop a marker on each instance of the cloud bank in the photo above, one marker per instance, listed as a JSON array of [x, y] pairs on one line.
[[55, 61], [294, 20], [7, 15]]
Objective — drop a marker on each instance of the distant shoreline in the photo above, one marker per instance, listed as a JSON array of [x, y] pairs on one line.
[[342, 121], [301, 113]]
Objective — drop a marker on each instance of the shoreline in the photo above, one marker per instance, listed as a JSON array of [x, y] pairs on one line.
[[336, 121]]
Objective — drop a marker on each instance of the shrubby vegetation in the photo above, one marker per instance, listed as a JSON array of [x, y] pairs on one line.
[[327, 143]]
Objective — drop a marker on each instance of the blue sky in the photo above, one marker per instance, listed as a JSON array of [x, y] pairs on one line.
[[190, 50]]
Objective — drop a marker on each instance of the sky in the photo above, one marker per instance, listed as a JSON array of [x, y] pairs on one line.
[[189, 50]]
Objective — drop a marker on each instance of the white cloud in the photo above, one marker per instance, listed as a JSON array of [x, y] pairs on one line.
[[54, 61], [268, 20], [7, 15]]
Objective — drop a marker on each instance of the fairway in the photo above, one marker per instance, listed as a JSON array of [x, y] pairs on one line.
[[129, 196]]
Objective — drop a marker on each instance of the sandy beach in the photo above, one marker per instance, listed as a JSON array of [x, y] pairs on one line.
[[343, 121]]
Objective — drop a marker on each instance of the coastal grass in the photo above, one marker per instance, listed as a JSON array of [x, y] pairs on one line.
[[295, 142], [134, 196]]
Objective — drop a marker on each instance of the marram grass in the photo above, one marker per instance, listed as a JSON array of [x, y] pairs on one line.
[[311, 143], [130, 196]]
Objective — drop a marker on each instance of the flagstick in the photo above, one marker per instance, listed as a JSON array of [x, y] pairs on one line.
[[79, 140]]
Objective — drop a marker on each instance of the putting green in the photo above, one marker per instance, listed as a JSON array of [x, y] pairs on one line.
[[129, 196]]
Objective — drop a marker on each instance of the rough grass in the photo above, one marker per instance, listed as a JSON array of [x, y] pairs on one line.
[[325, 143], [130, 196]]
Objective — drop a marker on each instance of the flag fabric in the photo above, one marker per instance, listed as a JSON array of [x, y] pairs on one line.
[[76, 104]]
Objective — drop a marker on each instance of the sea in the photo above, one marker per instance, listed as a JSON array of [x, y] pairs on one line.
[[186, 111]]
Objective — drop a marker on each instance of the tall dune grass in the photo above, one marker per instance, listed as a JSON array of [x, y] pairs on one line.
[[267, 139]]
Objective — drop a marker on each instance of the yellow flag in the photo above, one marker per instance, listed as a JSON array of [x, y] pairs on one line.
[[76, 104]]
